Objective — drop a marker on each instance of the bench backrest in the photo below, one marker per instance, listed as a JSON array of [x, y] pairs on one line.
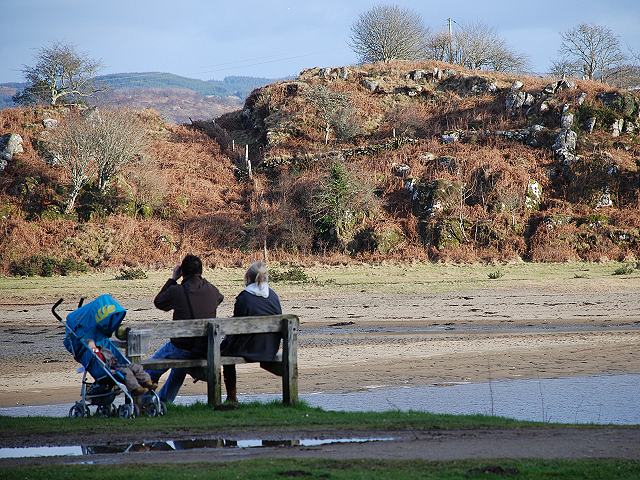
[[140, 335]]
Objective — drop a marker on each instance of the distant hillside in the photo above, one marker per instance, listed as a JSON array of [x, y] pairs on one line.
[[231, 86], [177, 98]]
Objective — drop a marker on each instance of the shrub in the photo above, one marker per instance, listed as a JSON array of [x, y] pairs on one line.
[[132, 274], [626, 269], [46, 266], [495, 275], [294, 274]]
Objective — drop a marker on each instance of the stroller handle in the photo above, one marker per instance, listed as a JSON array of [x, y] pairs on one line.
[[53, 309]]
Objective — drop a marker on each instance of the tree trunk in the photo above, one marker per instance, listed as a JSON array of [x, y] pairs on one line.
[[72, 200]]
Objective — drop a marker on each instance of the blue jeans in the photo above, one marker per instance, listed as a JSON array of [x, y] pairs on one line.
[[170, 389]]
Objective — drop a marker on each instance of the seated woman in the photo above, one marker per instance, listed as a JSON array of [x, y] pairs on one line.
[[257, 299]]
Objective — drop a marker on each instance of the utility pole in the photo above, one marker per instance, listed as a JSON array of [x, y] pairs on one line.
[[450, 21], [246, 159]]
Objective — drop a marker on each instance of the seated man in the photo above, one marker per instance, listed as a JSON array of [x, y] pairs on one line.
[[195, 297]]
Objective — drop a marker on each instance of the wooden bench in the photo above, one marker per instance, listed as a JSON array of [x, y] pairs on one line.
[[285, 364]]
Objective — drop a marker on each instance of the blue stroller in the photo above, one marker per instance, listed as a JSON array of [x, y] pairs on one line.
[[98, 320]]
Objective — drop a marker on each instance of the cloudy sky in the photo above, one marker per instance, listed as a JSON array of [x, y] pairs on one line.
[[270, 38]]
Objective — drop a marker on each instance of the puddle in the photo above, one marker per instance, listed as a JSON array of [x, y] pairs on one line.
[[174, 445], [602, 399]]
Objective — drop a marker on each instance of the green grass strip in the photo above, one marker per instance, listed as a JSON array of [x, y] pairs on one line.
[[338, 470], [201, 418]]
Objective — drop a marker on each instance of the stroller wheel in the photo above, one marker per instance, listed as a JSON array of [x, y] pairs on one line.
[[151, 409], [79, 410], [104, 411], [126, 411]]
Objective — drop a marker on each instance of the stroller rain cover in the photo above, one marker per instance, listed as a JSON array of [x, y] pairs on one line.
[[96, 320]]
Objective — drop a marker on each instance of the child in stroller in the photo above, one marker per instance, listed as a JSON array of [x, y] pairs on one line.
[[87, 334], [137, 381]]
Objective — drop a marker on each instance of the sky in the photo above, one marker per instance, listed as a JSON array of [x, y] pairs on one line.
[[211, 39]]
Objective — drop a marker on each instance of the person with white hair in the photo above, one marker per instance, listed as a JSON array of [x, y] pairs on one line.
[[257, 299]]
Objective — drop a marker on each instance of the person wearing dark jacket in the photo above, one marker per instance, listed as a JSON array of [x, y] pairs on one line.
[[257, 299], [195, 297]]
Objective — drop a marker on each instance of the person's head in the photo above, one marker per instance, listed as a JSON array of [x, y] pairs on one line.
[[256, 273], [191, 265]]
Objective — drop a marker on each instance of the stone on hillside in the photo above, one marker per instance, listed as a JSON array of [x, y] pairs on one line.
[[623, 103], [558, 86], [517, 85], [564, 147], [533, 196], [369, 84], [603, 199], [581, 98], [630, 127], [589, 124], [430, 198], [50, 123], [544, 107], [417, 75], [10, 144], [450, 137], [427, 157], [566, 121], [400, 169], [517, 100], [616, 128]]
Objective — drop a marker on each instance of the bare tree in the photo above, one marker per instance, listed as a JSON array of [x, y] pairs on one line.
[[60, 73], [96, 147], [594, 47], [119, 138], [389, 32], [334, 110], [72, 145], [438, 46], [478, 46]]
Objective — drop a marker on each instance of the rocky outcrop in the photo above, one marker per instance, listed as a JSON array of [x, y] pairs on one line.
[[10, 144], [564, 147]]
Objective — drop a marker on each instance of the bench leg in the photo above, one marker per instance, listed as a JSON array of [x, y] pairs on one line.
[[290, 362], [214, 387]]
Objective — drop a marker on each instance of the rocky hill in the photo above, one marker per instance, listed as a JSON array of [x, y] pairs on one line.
[[387, 161]]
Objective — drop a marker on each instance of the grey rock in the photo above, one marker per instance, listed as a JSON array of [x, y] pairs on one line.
[[400, 169], [50, 123], [604, 199], [581, 98], [558, 86], [617, 127], [544, 107], [517, 85], [417, 75], [566, 121], [564, 146], [427, 157], [369, 84], [533, 197], [517, 100], [630, 127], [10, 144], [450, 137], [589, 124]]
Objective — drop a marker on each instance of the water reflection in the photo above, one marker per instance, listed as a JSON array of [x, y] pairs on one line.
[[173, 445]]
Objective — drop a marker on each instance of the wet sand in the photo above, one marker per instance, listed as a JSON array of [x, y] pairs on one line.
[[353, 338]]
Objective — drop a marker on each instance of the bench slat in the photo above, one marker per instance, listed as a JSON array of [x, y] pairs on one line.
[[152, 364], [198, 327]]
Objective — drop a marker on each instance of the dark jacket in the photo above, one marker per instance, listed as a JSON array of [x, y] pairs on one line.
[[254, 346], [204, 299]]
